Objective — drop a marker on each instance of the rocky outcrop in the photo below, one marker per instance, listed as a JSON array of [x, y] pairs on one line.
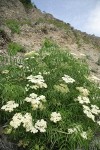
[[12, 9]]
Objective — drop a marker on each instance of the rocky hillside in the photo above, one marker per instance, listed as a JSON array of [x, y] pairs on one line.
[[28, 26]]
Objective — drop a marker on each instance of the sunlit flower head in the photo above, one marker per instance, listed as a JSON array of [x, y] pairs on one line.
[[68, 79]]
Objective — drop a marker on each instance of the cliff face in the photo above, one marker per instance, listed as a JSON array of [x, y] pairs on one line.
[[12, 9], [33, 26]]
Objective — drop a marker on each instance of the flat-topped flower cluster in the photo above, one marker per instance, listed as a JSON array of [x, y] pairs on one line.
[[36, 101], [27, 122], [68, 79], [38, 81], [91, 111], [10, 106]]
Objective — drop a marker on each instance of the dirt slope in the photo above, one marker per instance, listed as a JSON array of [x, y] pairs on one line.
[[35, 26]]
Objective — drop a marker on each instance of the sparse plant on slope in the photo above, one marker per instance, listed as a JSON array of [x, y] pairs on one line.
[[14, 48], [13, 25], [48, 103]]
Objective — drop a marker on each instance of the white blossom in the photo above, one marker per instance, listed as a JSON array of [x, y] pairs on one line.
[[5, 71], [95, 109], [75, 129], [33, 95], [68, 79], [16, 120], [33, 130], [10, 106], [27, 122], [83, 91], [89, 114], [38, 81], [36, 101], [84, 135], [28, 99], [35, 104], [83, 99], [55, 117], [72, 130], [41, 125], [86, 108]]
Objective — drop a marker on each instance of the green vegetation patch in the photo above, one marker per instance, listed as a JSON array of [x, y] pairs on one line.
[[48, 102], [14, 25], [27, 3], [14, 48], [57, 23]]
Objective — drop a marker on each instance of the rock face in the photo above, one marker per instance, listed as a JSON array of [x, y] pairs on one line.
[[12, 9], [5, 145]]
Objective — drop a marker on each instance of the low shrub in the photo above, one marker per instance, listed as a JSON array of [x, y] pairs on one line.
[[14, 48], [13, 25], [48, 103], [27, 3]]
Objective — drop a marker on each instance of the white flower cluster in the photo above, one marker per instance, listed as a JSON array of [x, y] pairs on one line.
[[68, 79], [75, 129], [83, 91], [38, 81], [27, 123], [95, 109], [36, 101], [55, 117], [5, 71], [91, 112], [88, 112], [82, 99], [16, 120], [10, 106], [78, 130], [72, 130], [41, 125], [84, 135]]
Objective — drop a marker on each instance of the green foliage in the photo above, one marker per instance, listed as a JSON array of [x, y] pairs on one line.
[[57, 23], [27, 3], [49, 43], [13, 25], [52, 63], [14, 48]]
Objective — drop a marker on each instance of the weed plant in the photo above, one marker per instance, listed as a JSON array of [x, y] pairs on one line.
[[14, 48], [53, 105], [13, 25]]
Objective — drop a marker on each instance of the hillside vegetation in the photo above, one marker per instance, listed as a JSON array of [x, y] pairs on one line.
[[49, 82], [51, 99]]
